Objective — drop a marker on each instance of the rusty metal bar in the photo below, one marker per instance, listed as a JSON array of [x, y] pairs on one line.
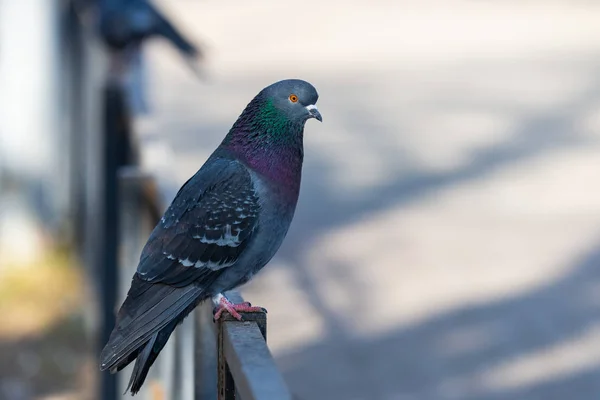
[[246, 370], [225, 384]]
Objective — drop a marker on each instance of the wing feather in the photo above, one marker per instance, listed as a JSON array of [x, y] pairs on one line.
[[206, 228]]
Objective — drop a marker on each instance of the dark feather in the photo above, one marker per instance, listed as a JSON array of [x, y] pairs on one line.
[[142, 366], [147, 309], [149, 354], [204, 231]]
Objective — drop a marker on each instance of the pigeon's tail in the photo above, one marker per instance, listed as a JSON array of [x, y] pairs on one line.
[[144, 323], [148, 355]]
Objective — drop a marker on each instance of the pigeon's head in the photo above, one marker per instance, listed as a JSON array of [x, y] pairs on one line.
[[295, 98], [275, 116]]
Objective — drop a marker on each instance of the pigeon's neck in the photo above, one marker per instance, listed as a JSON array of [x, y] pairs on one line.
[[269, 143]]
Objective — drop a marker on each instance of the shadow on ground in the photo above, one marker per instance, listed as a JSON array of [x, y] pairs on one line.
[[419, 362]]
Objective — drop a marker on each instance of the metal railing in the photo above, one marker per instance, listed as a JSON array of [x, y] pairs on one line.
[[118, 206], [245, 367]]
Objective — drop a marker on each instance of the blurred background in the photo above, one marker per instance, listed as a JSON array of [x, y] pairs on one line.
[[446, 243]]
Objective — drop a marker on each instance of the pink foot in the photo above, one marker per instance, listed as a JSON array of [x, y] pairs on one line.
[[234, 309]]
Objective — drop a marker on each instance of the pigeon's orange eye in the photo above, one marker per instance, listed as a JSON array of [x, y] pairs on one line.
[[293, 98]]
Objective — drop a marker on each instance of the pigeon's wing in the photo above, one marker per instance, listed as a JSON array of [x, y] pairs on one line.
[[206, 228], [203, 232]]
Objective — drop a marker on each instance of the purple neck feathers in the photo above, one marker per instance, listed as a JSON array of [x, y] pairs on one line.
[[270, 144]]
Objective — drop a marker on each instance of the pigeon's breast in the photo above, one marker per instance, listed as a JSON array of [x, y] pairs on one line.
[[277, 207], [274, 219]]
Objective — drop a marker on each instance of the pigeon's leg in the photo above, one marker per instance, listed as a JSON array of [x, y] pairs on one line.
[[222, 304]]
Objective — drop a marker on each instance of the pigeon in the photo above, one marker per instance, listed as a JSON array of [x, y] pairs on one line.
[[124, 26], [223, 226], [129, 22]]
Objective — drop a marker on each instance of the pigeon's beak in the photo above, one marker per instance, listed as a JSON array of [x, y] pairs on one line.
[[313, 111]]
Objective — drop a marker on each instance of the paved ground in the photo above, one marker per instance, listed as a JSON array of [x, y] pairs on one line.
[[447, 240]]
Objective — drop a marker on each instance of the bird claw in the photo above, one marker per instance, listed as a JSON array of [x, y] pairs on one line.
[[234, 309]]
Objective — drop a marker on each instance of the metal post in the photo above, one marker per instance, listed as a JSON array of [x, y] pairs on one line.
[[184, 383], [74, 38], [115, 121], [205, 362], [226, 385], [226, 389]]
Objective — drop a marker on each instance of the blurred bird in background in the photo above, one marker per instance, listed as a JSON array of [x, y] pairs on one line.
[[124, 26]]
